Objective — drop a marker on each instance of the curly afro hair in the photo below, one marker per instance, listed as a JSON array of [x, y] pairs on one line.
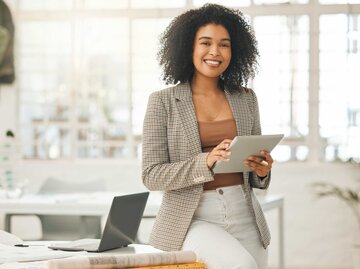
[[177, 41]]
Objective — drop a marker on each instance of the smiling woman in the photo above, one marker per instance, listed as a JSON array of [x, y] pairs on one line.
[[210, 53]]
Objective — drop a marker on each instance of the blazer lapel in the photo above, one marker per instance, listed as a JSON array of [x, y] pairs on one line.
[[242, 115], [186, 110], [241, 112]]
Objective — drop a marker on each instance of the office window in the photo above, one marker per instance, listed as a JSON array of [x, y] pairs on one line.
[[74, 98], [145, 67], [77, 72], [282, 81], [45, 65], [339, 86], [102, 106], [86, 69]]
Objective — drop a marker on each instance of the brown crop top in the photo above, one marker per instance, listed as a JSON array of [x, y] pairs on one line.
[[211, 134]]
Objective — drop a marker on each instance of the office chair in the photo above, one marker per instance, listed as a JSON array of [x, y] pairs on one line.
[[67, 227]]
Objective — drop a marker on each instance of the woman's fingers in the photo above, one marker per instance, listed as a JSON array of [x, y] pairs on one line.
[[260, 164], [260, 161], [219, 153], [267, 156], [224, 145]]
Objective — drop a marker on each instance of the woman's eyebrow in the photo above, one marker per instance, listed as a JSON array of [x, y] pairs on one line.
[[226, 39], [206, 37]]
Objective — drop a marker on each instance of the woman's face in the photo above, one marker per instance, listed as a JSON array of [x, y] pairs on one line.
[[212, 50]]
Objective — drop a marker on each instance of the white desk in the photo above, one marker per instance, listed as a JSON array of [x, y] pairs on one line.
[[277, 201], [98, 204], [39, 251], [85, 204]]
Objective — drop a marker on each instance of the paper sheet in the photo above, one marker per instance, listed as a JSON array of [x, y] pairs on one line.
[[29, 265], [9, 239], [31, 253]]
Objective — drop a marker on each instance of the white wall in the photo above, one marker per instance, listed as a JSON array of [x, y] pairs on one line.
[[319, 233]]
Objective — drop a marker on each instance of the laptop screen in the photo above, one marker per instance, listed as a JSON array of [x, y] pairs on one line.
[[123, 220]]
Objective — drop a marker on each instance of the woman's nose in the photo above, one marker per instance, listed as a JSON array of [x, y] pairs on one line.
[[214, 51]]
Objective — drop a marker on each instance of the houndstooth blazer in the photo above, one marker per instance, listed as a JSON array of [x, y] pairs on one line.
[[174, 163]]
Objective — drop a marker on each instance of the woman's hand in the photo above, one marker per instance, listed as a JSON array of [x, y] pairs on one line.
[[219, 153], [261, 165]]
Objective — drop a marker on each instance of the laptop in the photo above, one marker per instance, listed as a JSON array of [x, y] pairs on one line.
[[120, 229]]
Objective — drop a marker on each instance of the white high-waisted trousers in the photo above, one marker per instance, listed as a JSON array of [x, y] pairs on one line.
[[223, 233]]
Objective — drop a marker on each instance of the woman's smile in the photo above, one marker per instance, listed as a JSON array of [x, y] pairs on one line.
[[212, 63]]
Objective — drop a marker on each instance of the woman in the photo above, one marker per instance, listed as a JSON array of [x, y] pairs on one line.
[[211, 53]]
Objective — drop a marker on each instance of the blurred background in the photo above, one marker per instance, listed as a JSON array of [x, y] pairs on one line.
[[84, 70]]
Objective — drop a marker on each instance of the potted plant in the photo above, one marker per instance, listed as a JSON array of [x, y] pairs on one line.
[[11, 186], [350, 197]]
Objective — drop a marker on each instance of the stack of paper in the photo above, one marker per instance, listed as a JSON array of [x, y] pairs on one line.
[[194, 265], [125, 261]]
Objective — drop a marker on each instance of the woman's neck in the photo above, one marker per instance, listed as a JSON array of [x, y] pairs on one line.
[[204, 85]]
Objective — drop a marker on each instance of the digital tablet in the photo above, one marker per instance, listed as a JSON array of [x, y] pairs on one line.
[[242, 147]]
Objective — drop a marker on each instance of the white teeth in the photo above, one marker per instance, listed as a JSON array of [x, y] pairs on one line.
[[212, 62]]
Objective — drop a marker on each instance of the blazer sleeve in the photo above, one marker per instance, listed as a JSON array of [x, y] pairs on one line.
[[158, 173], [255, 181]]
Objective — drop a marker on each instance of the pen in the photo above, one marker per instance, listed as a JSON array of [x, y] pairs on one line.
[[24, 245], [20, 245]]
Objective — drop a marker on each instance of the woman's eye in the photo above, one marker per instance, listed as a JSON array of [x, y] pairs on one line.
[[205, 43], [225, 45]]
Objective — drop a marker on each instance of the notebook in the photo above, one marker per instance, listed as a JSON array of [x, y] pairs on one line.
[[120, 229]]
